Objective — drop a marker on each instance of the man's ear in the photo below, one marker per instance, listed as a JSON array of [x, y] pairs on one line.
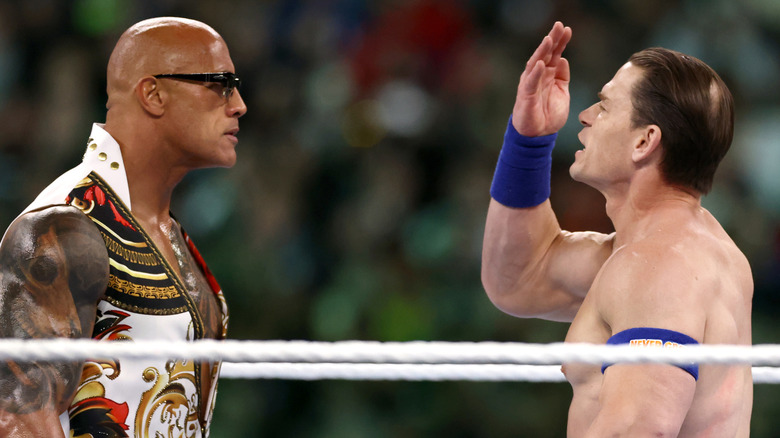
[[647, 143], [150, 96]]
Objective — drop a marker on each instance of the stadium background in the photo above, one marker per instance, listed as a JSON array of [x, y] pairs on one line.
[[357, 206]]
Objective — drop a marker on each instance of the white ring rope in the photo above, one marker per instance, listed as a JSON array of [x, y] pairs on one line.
[[384, 371], [392, 360], [419, 372], [386, 352]]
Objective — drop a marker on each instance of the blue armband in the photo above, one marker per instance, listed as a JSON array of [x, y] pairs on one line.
[[522, 177], [654, 337]]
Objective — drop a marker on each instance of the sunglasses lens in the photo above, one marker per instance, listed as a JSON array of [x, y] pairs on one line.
[[230, 82], [234, 83]]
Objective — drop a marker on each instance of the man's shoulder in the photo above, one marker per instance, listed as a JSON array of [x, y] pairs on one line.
[[51, 215], [673, 272], [51, 247], [696, 242], [30, 229], [673, 257]]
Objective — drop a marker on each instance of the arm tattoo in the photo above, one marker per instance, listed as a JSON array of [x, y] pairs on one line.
[[53, 269]]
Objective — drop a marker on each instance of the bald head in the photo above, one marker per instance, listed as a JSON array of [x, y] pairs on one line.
[[161, 45]]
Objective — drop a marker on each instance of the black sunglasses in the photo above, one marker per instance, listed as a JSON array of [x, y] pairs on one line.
[[228, 80]]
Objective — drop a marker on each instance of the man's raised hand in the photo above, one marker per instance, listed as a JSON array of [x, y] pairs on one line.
[[542, 103]]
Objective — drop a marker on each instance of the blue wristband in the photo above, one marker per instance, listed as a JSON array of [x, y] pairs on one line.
[[522, 177]]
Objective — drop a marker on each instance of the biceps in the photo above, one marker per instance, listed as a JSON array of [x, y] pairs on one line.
[[51, 269], [36, 304], [36, 387], [555, 283], [575, 260], [643, 400]]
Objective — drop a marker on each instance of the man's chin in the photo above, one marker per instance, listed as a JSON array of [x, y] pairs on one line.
[[574, 172], [226, 161], [228, 158]]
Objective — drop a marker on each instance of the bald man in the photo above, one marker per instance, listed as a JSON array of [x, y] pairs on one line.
[[98, 254]]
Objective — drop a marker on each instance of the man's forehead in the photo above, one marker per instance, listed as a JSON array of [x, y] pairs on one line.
[[623, 80]]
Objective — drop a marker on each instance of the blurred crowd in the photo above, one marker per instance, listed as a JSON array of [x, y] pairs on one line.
[[357, 207]]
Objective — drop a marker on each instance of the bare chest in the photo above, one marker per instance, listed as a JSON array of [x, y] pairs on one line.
[[175, 251], [587, 327]]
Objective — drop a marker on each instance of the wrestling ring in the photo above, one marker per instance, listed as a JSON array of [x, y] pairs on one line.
[[410, 361]]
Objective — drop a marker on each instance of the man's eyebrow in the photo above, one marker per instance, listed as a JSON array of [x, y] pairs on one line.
[[602, 96]]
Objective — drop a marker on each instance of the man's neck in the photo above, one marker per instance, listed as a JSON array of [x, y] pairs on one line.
[[642, 211], [151, 188], [152, 175]]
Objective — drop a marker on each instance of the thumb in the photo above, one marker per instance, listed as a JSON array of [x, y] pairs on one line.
[[562, 73]]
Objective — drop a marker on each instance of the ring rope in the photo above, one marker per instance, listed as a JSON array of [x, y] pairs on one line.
[[400, 372], [419, 372], [430, 352], [373, 360]]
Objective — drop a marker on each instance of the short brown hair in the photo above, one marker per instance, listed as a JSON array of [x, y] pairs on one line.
[[694, 109]]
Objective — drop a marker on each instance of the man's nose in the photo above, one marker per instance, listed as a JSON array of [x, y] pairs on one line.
[[236, 105], [585, 116]]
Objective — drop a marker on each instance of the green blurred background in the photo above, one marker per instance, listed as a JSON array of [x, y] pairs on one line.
[[357, 207]]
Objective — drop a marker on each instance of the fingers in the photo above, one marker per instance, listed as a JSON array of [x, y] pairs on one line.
[[561, 35], [548, 54], [552, 46], [542, 53], [533, 79], [542, 101]]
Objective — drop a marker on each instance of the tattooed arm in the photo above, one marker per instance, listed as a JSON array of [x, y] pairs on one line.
[[53, 269]]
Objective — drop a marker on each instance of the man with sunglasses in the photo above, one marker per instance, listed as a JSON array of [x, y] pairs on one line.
[[98, 254]]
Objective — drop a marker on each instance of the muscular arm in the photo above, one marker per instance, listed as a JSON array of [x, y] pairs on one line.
[[530, 267], [53, 268], [648, 285], [643, 401]]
